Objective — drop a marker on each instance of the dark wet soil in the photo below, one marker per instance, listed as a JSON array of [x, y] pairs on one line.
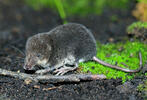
[[18, 22]]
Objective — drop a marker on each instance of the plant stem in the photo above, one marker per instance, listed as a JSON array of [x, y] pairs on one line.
[[61, 11]]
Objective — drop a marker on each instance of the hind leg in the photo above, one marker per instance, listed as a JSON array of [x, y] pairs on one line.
[[70, 66], [70, 63]]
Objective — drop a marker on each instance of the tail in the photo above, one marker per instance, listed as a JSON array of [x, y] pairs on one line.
[[120, 68]]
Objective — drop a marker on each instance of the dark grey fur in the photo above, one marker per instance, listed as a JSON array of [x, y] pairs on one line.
[[74, 39], [61, 48], [72, 42]]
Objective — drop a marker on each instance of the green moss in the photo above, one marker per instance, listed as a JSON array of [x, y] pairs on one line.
[[145, 89], [120, 52], [140, 87], [136, 25]]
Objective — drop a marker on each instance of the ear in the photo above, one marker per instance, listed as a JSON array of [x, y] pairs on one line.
[[49, 41]]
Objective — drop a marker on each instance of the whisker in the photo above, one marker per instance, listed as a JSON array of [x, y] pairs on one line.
[[17, 50]]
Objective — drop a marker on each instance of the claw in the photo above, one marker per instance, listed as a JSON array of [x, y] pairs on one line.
[[64, 70]]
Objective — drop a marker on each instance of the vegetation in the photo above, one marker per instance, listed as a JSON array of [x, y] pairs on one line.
[[61, 10], [80, 7], [142, 87], [144, 1], [77, 7], [145, 89], [137, 25], [138, 30], [117, 53]]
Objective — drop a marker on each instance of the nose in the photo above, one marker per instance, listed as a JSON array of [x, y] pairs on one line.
[[27, 67]]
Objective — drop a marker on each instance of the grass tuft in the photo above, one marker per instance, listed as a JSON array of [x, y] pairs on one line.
[[61, 11]]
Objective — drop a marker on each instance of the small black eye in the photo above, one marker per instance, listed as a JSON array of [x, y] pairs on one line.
[[38, 55]]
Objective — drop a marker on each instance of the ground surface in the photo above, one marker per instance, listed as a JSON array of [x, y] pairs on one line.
[[18, 22]]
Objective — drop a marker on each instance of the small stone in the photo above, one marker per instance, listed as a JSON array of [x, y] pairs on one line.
[[37, 86], [27, 81], [18, 71], [111, 39]]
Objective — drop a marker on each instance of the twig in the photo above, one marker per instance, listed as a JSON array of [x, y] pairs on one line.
[[57, 79], [52, 78], [51, 88]]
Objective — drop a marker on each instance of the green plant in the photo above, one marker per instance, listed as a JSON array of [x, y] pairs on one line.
[[140, 87], [79, 7], [122, 4], [61, 10], [138, 30], [136, 25], [114, 18], [145, 89], [112, 53], [54, 4], [144, 1]]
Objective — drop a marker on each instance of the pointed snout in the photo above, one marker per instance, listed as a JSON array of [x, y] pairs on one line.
[[30, 62], [28, 67]]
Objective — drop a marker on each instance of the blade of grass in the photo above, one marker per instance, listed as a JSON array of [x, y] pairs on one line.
[[61, 11]]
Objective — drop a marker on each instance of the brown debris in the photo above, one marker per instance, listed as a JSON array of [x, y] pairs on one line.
[[141, 11], [51, 88]]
